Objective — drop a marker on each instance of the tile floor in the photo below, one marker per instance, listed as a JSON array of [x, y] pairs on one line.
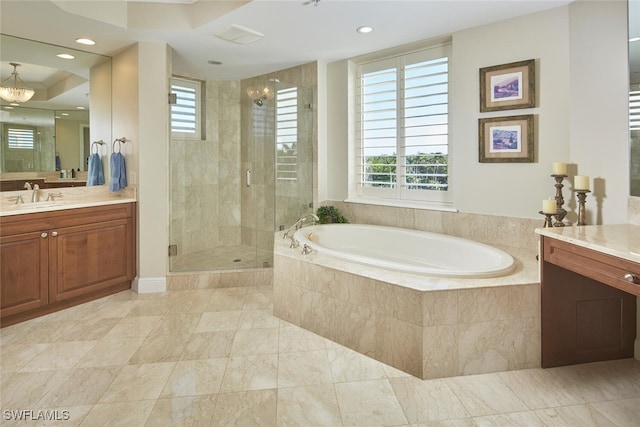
[[217, 357]]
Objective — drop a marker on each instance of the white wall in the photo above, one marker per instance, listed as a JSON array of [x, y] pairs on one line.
[[141, 75], [599, 110], [511, 189], [570, 125], [100, 105]]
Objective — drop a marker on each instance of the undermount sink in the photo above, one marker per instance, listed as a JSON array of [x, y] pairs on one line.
[[40, 205]]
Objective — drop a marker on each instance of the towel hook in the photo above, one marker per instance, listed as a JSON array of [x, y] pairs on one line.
[[120, 141], [95, 144]]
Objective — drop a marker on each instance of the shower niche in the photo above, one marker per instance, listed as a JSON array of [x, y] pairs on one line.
[[250, 173]]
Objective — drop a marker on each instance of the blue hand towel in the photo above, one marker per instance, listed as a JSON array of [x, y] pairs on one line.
[[95, 176], [117, 173]]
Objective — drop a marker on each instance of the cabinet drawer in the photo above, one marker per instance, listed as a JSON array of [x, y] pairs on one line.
[[604, 268]]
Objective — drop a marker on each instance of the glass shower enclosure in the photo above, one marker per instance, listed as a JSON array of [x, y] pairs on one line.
[[250, 175]]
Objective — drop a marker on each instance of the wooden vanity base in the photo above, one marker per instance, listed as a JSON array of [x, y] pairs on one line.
[[588, 309], [58, 259]]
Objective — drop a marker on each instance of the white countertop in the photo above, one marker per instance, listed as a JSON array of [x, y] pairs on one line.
[[66, 198], [619, 240]]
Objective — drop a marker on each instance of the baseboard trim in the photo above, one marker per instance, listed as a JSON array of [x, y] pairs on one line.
[[147, 285]]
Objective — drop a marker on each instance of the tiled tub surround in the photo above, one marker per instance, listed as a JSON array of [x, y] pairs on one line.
[[427, 326]]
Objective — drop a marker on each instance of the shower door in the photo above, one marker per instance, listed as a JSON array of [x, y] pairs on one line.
[[280, 160], [249, 176]]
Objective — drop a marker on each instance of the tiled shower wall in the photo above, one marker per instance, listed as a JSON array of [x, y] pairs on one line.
[[205, 175]]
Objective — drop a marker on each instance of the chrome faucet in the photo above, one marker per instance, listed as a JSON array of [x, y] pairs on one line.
[[27, 185], [297, 226], [35, 197], [52, 196]]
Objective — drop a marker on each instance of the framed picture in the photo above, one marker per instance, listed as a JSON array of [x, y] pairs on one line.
[[506, 139], [508, 86]]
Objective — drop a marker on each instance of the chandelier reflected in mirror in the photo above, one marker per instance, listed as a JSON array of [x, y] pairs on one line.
[[13, 89]]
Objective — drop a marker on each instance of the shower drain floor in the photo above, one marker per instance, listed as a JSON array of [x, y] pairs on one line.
[[221, 257]]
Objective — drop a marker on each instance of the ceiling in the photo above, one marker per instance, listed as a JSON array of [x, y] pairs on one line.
[[294, 31]]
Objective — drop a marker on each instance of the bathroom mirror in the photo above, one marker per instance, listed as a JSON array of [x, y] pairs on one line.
[[634, 95], [72, 99]]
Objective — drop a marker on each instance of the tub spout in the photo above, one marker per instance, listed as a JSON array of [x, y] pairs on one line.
[[297, 226]]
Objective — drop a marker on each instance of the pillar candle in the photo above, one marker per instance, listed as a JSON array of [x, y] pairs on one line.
[[549, 206], [559, 168], [581, 182]]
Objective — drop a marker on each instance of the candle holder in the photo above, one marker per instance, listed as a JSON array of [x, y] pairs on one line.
[[582, 198], [548, 222], [560, 212]]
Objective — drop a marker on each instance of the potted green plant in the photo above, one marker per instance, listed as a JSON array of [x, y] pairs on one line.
[[330, 215]]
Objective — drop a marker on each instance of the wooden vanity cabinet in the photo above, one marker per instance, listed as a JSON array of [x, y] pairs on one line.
[[53, 260], [588, 305], [24, 265]]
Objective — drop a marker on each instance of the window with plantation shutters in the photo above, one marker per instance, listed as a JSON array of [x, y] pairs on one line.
[[634, 110], [186, 112], [20, 138], [402, 136], [287, 134]]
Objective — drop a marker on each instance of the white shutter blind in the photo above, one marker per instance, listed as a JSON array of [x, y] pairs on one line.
[[20, 138], [185, 113], [634, 110], [402, 126], [426, 125], [287, 134]]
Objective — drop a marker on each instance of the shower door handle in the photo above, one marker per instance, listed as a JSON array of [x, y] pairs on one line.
[[248, 177]]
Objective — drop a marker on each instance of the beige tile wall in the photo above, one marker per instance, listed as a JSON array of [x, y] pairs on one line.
[[205, 176]]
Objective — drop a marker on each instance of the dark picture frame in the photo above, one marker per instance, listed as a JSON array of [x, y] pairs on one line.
[[508, 86], [508, 139]]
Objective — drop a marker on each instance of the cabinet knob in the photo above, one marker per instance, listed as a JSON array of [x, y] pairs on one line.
[[631, 278], [44, 235], [54, 233]]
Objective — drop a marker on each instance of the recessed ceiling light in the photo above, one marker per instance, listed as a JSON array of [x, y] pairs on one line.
[[7, 107], [80, 108], [364, 29], [14, 104], [64, 114], [87, 42], [65, 56]]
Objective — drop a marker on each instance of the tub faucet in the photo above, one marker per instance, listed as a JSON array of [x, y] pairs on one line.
[[298, 226], [27, 185]]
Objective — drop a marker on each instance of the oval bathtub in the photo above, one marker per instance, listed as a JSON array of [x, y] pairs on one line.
[[405, 250]]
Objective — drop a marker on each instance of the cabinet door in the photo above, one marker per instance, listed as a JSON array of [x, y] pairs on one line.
[[88, 258], [24, 259]]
